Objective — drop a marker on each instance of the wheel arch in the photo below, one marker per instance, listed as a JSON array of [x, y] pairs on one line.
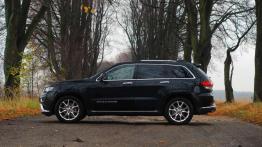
[[73, 94], [185, 95]]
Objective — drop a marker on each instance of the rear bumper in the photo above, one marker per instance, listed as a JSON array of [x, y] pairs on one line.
[[205, 103], [208, 109]]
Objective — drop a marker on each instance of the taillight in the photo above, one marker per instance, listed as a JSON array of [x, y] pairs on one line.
[[208, 84]]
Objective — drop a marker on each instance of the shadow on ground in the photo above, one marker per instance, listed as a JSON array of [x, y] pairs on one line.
[[103, 122]]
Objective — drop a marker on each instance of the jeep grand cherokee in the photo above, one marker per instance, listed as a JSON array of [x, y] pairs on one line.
[[176, 90]]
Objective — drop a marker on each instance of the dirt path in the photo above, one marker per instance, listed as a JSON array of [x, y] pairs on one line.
[[129, 131]]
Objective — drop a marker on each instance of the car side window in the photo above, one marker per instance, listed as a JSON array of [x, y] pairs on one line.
[[177, 72], [150, 72], [121, 72], [161, 71]]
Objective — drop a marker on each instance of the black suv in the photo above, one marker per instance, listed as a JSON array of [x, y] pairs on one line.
[[174, 89]]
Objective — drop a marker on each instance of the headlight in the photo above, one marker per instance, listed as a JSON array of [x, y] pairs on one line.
[[47, 89]]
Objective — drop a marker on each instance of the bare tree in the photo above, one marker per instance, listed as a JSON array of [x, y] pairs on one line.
[[229, 67], [74, 39], [258, 54], [19, 33], [212, 14], [154, 27]]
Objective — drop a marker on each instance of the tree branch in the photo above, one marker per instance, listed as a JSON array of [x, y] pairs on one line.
[[33, 25]]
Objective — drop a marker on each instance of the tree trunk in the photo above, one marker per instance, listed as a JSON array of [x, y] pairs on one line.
[[258, 54], [203, 54], [171, 46], [17, 38], [228, 79], [188, 46], [192, 29], [51, 50]]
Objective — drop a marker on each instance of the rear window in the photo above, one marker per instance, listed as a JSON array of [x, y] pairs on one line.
[[162, 71]]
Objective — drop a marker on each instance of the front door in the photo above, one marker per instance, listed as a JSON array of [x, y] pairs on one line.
[[115, 92]]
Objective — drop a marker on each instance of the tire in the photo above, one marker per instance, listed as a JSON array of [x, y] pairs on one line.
[[179, 111], [69, 109]]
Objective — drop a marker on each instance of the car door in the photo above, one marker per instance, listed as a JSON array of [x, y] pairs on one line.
[[115, 91], [151, 85]]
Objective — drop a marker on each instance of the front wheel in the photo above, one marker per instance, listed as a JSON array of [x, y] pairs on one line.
[[69, 109], [179, 111]]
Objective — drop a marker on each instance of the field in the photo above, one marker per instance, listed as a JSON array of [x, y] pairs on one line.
[[18, 108], [30, 106], [242, 110]]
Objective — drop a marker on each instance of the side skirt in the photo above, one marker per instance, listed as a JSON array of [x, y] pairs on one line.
[[125, 113]]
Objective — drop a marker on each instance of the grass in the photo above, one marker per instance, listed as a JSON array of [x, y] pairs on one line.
[[250, 112], [18, 108]]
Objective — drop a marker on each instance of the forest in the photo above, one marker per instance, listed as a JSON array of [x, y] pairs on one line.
[[45, 41]]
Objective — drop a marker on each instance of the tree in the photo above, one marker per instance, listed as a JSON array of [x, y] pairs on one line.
[[200, 42], [154, 28], [18, 35], [212, 14], [192, 29], [258, 54], [228, 70], [71, 36]]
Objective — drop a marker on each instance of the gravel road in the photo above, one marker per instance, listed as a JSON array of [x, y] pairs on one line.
[[116, 131]]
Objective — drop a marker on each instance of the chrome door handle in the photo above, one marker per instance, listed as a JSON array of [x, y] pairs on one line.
[[164, 82], [127, 83]]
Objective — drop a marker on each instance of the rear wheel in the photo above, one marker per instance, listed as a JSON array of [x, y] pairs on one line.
[[179, 111], [69, 109]]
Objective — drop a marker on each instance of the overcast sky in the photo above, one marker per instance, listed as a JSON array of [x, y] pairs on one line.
[[243, 79]]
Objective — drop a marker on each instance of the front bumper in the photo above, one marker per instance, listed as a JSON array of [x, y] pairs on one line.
[[44, 111], [47, 103]]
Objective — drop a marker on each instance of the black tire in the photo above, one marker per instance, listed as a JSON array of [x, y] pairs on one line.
[[80, 111], [186, 106]]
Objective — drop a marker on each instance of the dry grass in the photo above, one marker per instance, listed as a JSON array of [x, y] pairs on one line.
[[29, 107], [242, 110], [18, 108]]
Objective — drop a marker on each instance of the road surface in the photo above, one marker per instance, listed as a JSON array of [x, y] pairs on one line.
[[116, 131]]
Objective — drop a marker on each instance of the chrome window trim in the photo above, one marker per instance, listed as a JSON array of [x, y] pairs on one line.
[[158, 60], [150, 78]]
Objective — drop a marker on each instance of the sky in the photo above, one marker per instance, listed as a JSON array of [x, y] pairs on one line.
[[243, 79], [244, 70], [243, 58]]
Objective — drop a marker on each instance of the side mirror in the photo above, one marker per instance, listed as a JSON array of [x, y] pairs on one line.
[[101, 78]]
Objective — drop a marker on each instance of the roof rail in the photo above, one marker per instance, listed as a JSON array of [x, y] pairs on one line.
[[158, 60]]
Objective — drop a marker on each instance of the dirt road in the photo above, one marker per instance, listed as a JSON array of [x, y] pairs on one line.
[[129, 131]]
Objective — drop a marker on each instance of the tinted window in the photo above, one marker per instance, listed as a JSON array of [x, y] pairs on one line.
[[161, 71], [150, 71], [121, 72], [177, 72]]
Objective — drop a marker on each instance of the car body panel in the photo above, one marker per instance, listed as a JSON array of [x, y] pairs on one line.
[[133, 96]]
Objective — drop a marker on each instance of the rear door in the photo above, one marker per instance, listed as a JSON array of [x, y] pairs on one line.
[[154, 81], [150, 86]]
